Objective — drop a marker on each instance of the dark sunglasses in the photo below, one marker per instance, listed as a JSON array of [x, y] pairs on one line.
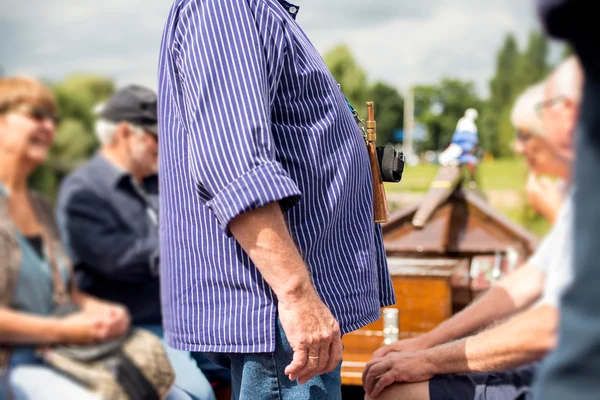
[[38, 114]]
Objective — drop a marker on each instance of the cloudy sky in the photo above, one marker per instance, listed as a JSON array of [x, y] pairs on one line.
[[403, 42]]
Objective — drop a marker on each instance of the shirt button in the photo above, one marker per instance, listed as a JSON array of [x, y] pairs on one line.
[[293, 10]]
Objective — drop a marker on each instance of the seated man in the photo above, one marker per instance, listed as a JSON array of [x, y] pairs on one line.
[[108, 211], [443, 364]]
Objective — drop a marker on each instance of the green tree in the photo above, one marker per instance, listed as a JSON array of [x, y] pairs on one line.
[[503, 88], [533, 65], [389, 111], [389, 105], [77, 96], [515, 71], [440, 107], [351, 77]]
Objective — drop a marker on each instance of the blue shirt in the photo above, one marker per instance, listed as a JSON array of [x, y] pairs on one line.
[[35, 287], [34, 291], [467, 140], [249, 114], [110, 231]]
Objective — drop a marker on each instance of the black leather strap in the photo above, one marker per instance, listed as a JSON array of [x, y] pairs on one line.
[[391, 163], [131, 379]]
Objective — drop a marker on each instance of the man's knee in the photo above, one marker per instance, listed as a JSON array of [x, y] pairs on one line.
[[404, 391]]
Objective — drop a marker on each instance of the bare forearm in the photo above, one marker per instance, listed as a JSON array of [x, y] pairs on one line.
[[264, 236], [493, 305], [521, 340], [22, 328], [517, 290]]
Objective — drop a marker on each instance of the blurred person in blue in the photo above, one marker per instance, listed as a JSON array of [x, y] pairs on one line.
[[464, 142], [108, 211], [572, 371], [490, 350], [33, 259]]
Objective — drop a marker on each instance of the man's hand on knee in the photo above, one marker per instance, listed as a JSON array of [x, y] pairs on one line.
[[396, 367]]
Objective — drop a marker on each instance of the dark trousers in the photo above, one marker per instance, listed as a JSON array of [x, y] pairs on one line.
[[502, 385]]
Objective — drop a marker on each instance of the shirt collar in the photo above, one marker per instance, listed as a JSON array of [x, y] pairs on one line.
[[110, 174], [292, 9], [113, 175]]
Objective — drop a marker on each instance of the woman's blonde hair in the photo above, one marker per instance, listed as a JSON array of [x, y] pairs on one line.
[[17, 90]]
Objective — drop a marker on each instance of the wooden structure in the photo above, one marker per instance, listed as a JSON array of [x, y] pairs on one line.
[[441, 254]]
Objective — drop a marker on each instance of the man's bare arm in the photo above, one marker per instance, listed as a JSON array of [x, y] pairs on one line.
[[521, 340], [316, 341], [516, 291]]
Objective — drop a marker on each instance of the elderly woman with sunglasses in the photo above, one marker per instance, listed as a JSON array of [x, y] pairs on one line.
[[28, 235]]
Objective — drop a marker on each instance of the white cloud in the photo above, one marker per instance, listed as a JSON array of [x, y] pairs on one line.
[[403, 42]]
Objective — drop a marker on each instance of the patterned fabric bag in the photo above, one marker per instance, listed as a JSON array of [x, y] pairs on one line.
[[133, 367]]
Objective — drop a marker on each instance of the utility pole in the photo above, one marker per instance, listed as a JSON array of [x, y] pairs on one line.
[[409, 122]]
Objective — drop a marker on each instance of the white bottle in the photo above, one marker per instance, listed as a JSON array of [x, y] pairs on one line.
[[390, 325]]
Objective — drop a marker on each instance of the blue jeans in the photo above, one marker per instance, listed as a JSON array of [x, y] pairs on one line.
[[40, 382], [188, 375], [260, 376]]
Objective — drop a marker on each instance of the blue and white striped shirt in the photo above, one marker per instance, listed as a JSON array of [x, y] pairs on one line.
[[249, 114]]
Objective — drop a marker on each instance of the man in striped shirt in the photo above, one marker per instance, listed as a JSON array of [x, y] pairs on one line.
[[269, 249]]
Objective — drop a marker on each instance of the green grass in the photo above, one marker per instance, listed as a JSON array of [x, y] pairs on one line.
[[509, 174], [414, 179]]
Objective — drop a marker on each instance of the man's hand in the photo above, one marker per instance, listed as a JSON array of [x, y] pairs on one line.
[[406, 345], [544, 196], [309, 326], [396, 367], [313, 334]]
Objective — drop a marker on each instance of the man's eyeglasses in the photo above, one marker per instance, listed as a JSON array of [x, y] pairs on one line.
[[539, 107], [38, 114], [523, 136]]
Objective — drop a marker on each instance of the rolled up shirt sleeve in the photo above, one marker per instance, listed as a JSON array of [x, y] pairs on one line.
[[229, 76]]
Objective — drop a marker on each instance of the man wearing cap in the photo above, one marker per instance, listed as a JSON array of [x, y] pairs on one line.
[[108, 210]]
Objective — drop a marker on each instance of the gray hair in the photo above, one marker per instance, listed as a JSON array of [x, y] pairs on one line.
[[105, 130], [524, 115], [567, 80]]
